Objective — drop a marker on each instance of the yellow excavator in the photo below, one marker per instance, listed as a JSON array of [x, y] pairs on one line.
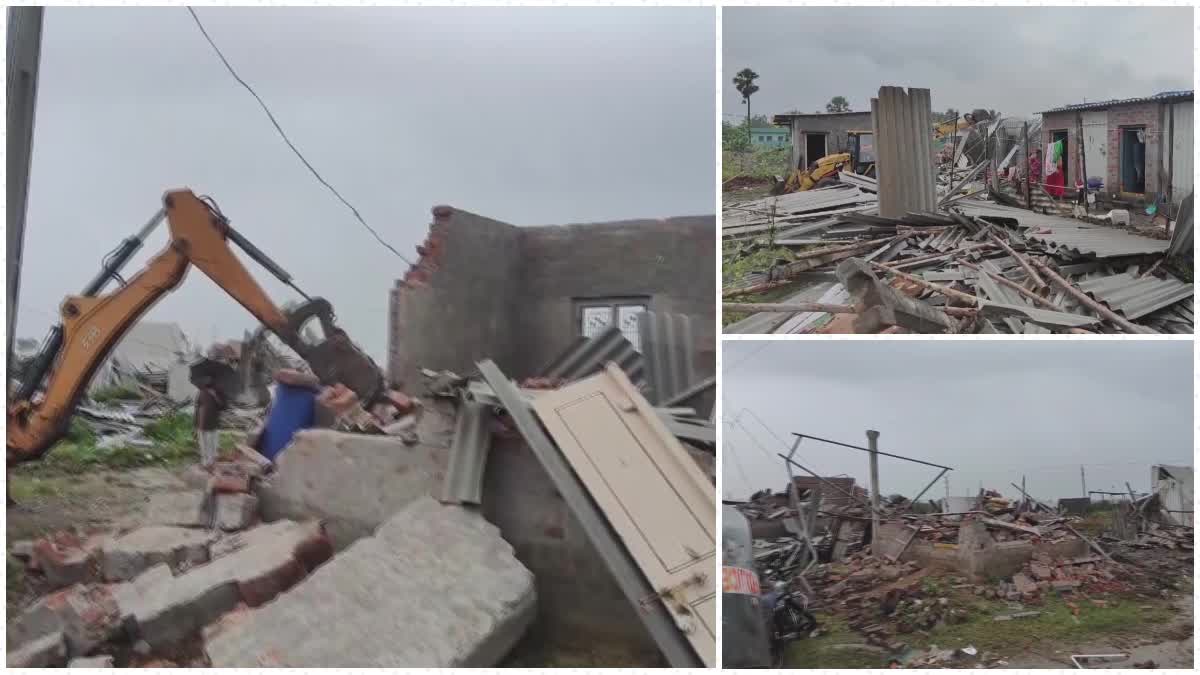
[[820, 173], [92, 323]]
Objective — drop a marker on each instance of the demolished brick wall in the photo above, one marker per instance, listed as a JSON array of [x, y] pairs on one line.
[[456, 304], [487, 289]]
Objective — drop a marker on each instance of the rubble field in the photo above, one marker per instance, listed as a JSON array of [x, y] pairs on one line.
[[1004, 584], [977, 249]]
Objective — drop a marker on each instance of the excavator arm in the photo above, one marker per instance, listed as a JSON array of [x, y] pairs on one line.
[[93, 324]]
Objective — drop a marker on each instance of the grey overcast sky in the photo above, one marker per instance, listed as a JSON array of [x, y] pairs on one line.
[[1018, 60], [531, 116], [992, 410]]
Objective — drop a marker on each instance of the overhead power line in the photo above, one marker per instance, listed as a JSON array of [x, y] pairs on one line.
[[287, 140]]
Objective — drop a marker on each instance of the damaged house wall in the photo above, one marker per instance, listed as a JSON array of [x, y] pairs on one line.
[[487, 289], [456, 305], [565, 268], [836, 126], [1167, 153]]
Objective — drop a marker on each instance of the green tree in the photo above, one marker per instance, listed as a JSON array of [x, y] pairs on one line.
[[744, 83], [837, 104]]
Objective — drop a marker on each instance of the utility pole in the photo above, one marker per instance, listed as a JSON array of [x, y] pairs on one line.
[[873, 444], [1083, 480], [24, 53], [1028, 165], [946, 481]]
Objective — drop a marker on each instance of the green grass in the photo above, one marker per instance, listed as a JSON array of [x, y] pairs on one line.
[[115, 393], [173, 440], [758, 163], [1055, 624], [819, 652]]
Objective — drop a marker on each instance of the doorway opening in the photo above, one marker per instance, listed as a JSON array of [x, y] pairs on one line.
[[1056, 136], [814, 147], [1133, 159]]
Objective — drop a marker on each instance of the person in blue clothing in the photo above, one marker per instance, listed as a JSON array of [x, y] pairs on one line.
[[293, 407]]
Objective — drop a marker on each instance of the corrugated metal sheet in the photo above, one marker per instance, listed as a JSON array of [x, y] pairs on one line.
[[468, 454], [1133, 297], [668, 350], [1095, 142], [1097, 241], [901, 122], [588, 355], [1174, 485], [1181, 238], [1162, 97], [758, 212], [1182, 150]]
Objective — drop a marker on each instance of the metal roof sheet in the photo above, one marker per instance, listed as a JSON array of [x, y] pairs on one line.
[[1134, 297], [1183, 95]]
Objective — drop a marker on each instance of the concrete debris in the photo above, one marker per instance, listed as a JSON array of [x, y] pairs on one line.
[[434, 587], [124, 558], [101, 661], [974, 257], [235, 511], [915, 572], [48, 651]]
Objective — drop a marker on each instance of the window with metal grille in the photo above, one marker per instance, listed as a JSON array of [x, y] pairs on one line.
[[597, 315]]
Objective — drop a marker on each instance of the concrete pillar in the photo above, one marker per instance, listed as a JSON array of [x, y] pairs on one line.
[[873, 444], [903, 128], [24, 53]]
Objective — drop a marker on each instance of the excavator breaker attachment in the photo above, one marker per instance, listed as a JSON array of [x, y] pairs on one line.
[[336, 358]]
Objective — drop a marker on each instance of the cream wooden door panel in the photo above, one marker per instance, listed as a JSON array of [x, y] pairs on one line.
[[656, 499]]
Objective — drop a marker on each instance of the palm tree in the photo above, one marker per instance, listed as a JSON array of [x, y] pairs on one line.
[[744, 82]]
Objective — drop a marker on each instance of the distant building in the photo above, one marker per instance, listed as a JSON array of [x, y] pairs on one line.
[[816, 135], [770, 136], [1139, 147], [148, 347]]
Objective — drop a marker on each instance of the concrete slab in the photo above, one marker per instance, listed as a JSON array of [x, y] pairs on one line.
[[273, 558], [85, 615], [48, 651], [101, 661], [124, 558], [355, 482], [436, 586], [177, 509], [236, 511]]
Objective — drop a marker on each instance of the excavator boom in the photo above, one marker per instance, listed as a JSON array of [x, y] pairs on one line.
[[93, 323]]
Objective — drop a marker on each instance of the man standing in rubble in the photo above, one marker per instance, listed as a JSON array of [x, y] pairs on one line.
[[209, 403]]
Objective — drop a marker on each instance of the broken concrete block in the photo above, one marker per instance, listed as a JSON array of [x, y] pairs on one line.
[[1041, 571], [86, 615], [178, 509], [1024, 585], [436, 586], [314, 472], [21, 550], [236, 511], [272, 558], [126, 557], [48, 651], [100, 661], [66, 559]]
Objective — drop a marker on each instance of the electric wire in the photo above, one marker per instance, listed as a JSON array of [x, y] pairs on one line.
[[288, 140]]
